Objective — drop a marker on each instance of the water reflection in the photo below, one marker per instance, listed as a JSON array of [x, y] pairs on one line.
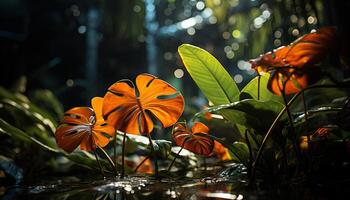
[[133, 187], [217, 184]]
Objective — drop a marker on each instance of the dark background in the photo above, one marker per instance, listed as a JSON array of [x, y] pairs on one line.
[[77, 48]]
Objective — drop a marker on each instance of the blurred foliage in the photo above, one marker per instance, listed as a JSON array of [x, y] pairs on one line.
[[123, 19]]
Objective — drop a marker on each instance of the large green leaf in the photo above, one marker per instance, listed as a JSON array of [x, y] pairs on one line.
[[210, 76], [258, 115], [20, 135], [22, 104], [250, 91], [250, 113]]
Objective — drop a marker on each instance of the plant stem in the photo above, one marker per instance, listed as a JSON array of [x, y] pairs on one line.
[[259, 77], [285, 101], [295, 142], [205, 163], [122, 174], [250, 156], [307, 134], [273, 125], [109, 160], [144, 130], [172, 162], [99, 164], [154, 156], [115, 149], [305, 107], [141, 163]]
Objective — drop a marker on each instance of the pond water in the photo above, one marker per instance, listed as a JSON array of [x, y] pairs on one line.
[[210, 183]]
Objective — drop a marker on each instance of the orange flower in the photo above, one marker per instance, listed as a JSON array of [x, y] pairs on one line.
[[191, 141], [85, 127], [291, 64], [221, 152], [129, 109]]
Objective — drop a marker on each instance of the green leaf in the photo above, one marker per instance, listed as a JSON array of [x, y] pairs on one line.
[[18, 134], [162, 148], [258, 115], [250, 91], [22, 104], [210, 76], [250, 113], [47, 102]]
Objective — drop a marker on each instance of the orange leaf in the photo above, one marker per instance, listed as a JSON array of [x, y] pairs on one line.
[[85, 127], [291, 64], [191, 141], [129, 109], [221, 152]]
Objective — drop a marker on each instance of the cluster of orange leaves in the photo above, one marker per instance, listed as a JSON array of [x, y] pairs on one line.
[[131, 109], [294, 67]]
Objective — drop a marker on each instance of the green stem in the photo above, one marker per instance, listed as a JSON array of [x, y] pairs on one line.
[[109, 160], [99, 164], [141, 163], [172, 162], [250, 155], [259, 78], [122, 174], [273, 125]]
